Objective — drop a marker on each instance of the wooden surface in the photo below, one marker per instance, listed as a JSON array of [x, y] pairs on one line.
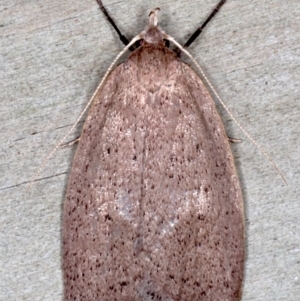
[[53, 55]]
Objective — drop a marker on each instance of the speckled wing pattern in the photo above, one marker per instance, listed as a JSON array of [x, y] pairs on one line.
[[153, 209]]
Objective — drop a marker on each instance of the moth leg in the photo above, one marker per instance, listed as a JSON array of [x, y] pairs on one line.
[[112, 22], [195, 35], [234, 140], [70, 143]]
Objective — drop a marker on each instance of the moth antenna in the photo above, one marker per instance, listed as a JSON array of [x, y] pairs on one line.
[[134, 40], [113, 24], [225, 106], [198, 31]]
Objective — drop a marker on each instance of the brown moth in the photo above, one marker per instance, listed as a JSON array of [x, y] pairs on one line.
[[153, 209]]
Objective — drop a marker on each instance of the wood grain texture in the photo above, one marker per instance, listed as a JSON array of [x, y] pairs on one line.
[[54, 54]]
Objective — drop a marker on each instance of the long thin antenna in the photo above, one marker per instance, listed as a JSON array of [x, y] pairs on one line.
[[225, 106], [112, 22], [134, 40], [196, 34]]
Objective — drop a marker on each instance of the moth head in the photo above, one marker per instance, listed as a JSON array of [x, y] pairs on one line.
[[153, 17], [153, 33]]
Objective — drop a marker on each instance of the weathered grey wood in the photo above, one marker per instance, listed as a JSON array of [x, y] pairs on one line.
[[54, 53]]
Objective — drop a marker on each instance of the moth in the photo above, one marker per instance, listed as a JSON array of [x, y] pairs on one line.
[[153, 208]]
